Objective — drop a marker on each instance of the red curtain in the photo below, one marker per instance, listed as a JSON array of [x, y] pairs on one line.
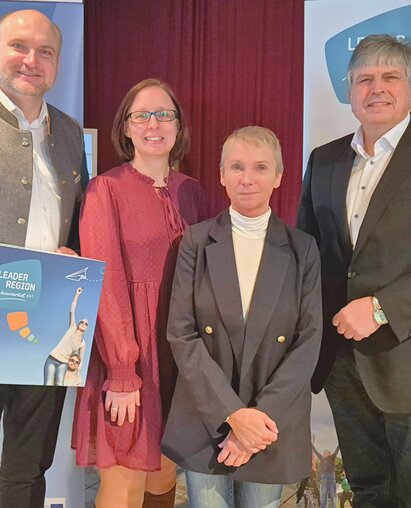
[[231, 63]]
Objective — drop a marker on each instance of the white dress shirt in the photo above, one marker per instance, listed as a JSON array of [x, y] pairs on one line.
[[367, 172], [44, 219]]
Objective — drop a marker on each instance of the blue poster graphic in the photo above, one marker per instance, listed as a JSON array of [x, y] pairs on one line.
[[339, 48], [48, 309]]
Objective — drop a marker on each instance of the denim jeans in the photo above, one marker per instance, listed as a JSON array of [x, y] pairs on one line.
[[375, 446], [327, 490], [54, 372], [219, 491]]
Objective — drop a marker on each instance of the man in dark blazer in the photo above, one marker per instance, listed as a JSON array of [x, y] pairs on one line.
[[244, 368], [356, 201], [43, 173]]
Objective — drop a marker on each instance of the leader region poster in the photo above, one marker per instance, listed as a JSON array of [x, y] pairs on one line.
[[48, 310]]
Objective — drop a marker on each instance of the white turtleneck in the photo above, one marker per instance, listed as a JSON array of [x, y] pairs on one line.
[[248, 240]]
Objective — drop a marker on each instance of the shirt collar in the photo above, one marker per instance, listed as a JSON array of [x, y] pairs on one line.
[[18, 113], [250, 224], [387, 142]]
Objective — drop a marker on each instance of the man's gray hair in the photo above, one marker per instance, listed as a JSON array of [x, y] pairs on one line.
[[380, 50]]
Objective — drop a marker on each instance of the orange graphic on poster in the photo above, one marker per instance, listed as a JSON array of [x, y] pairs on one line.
[[18, 321]]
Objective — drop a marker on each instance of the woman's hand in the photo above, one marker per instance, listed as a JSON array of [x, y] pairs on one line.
[[66, 250], [120, 404], [253, 428], [233, 453]]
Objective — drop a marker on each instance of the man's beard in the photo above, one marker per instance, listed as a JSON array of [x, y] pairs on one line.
[[12, 83]]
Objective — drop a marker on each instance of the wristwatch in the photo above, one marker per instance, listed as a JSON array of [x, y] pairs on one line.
[[378, 313]]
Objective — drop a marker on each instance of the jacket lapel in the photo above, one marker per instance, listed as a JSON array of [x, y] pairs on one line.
[[223, 274], [8, 117], [395, 173], [339, 184], [270, 279]]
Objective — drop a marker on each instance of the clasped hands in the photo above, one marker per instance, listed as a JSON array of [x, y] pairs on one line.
[[355, 320], [251, 431], [122, 404]]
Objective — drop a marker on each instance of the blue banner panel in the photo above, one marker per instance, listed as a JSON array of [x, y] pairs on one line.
[[339, 48], [67, 93]]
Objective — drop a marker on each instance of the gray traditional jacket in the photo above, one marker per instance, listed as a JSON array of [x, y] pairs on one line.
[[66, 147]]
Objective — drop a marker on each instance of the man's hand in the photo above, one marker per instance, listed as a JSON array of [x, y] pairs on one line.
[[66, 250], [253, 428], [233, 453], [120, 404], [356, 320]]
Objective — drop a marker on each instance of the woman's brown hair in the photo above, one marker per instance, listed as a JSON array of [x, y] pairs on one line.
[[123, 144]]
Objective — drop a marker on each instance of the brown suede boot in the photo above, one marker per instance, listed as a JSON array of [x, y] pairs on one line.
[[160, 501]]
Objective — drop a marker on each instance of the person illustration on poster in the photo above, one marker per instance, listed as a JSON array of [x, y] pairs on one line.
[[72, 377], [308, 491], [56, 364], [346, 494], [327, 476]]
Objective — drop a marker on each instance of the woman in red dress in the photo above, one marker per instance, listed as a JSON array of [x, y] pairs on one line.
[[133, 217]]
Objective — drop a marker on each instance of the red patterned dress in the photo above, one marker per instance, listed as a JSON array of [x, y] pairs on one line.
[[136, 228]]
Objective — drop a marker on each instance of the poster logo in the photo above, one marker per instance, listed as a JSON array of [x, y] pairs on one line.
[[20, 284], [339, 48]]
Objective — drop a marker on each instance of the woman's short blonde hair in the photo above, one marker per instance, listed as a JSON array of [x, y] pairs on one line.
[[257, 136]]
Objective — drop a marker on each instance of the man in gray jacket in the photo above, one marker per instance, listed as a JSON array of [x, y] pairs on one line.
[[43, 174]]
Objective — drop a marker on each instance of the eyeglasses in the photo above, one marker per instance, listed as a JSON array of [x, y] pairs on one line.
[[162, 115], [83, 323], [77, 362]]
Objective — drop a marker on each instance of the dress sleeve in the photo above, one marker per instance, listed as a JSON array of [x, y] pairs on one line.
[[115, 336]]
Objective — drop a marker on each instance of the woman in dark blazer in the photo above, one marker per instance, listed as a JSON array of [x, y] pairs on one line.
[[245, 330]]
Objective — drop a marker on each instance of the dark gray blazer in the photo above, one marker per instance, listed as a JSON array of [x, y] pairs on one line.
[[225, 365], [66, 146], [379, 265]]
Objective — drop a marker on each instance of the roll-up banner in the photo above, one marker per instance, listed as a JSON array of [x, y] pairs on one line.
[[65, 482], [333, 28]]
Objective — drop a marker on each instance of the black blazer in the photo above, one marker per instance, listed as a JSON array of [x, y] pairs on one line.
[[225, 364], [380, 265]]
